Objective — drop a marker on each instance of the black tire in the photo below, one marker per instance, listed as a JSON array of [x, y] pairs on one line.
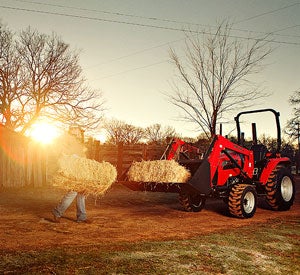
[[192, 202], [242, 201], [280, 189]]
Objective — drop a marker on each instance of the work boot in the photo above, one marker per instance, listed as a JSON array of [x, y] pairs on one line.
[[56, 219]]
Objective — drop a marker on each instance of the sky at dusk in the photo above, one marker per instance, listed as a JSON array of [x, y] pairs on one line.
[[125, 46]]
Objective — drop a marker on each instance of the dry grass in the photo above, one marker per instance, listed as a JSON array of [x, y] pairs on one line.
[[233, 252], [84, 175], [158, 171]]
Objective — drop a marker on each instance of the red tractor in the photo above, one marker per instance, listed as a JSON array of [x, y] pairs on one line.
[[233, 173]]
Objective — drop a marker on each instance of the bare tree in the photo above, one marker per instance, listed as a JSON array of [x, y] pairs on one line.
[[293, 125], [121, 132], [45, 80], [215, 75], [133, 134], [156, 133], [11, 78]]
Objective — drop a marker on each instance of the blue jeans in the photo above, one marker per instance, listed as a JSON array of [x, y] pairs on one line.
[[66, 201]]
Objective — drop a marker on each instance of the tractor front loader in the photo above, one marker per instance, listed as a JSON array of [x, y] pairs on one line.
[[233, 173]]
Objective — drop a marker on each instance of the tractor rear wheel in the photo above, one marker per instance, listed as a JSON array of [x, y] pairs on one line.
[[242, 201], [280, 189], [191, 202]]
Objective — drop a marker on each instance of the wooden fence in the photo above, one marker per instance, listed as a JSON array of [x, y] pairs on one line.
[[22, 163], [122, 155]]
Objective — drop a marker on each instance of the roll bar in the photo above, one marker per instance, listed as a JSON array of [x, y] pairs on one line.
[[276, 114]]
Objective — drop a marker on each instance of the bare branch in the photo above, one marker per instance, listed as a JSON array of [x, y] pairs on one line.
[[215, 75], [158, 134], [40, 76], [121, 132]]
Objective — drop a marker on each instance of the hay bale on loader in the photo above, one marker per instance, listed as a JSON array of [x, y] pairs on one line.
[[84, 175], [167, 171]]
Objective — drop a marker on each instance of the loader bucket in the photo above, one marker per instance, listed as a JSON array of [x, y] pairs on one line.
[[200, 181]]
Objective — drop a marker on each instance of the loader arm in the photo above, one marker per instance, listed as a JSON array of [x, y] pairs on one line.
[[179, 147], [224, 159]]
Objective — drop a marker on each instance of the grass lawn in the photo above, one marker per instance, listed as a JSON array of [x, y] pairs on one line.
[[268, 248]]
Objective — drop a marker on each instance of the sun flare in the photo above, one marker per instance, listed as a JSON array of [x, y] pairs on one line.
[[44, 132]]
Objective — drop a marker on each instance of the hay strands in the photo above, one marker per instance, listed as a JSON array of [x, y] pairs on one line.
[[167, 187], [162, 171]]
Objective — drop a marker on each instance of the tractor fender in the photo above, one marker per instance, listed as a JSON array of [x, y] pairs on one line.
[[271, 165]]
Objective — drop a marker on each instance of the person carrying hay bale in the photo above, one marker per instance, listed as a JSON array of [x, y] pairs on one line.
[[81, 177]]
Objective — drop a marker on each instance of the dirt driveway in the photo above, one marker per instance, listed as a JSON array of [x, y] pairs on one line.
[[121, 215]]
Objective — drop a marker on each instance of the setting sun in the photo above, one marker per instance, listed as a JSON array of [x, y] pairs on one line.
[[44, 132]]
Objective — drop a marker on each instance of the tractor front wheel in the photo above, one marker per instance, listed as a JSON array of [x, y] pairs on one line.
[[280, 189], [242, 201], [191, 202]]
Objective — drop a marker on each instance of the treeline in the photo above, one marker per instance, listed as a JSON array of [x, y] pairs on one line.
[[119, 132]]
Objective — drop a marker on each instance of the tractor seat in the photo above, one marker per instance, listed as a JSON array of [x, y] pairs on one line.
[[259, 152]]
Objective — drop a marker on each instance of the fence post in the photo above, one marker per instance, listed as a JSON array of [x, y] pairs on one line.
[[120, 159]]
